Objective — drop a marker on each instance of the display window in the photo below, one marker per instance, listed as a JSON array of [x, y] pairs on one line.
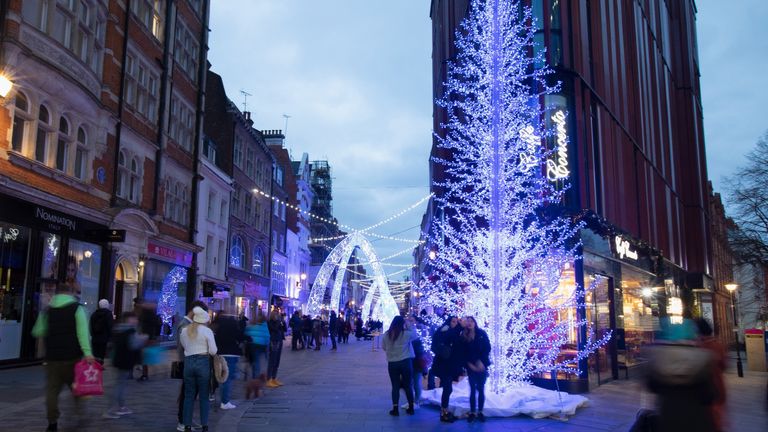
[[14, 246], [639, 317], [83, 267]]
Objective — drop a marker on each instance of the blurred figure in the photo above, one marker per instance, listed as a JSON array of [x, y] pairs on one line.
[[127, 344], [297, 340], [306, 330], [226, 329], [199, 345], [680, 373], [398, 344], [358, 328], [476, 349], [101, 330], [317, 332], [277, 329], [64, 328], [187, 320], [448, 363], [257, 348], [333, 328], [709, 342], [149, 324], [419, 361]]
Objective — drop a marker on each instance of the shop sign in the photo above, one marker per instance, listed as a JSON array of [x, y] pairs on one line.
[[175, 256], [623, 248], [32, 215], [557, 167], [8, 234]]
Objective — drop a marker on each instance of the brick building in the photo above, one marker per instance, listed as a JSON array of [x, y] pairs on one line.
[[99, 132], [718, 311]]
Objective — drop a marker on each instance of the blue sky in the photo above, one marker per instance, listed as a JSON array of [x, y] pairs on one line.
[[355, 77]]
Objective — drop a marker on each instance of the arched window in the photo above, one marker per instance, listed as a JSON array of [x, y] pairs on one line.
[[20, 121], [237, 252], [134, 186], [122, 176], [43, 132], [63, 145], [257, 261], [184, 206], [81, 154]]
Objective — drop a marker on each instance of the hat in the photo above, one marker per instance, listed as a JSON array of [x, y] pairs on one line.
[[104, 304], [200, 316]]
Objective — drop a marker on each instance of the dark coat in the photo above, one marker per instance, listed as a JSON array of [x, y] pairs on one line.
[[276, 330], [687, 407], [478, 348], [101, 326], [226, 331], [446, 342]]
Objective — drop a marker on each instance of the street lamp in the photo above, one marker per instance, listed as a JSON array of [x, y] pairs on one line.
[[5, 86], [731, 287]]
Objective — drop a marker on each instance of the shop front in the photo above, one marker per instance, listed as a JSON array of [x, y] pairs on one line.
[[164, 282], [39, 248]]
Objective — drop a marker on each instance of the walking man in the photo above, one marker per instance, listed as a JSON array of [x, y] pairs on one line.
[[332, 325], [64, 328]]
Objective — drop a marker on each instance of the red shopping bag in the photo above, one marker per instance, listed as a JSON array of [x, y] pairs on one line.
[[88, 379]]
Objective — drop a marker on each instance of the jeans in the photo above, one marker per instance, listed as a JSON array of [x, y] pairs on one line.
[[476, 386], [446, 383], [197, 374], [417, 385], [275, 350], [333, 340], [226, 388], [121, 378], [257, 353], [431, 379], [400, 374]]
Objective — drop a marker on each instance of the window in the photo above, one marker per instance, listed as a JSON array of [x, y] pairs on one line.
[[182, 123], [128, 178], [237, 252], [249, 209], [177, 201], [236, 203], [20, 121], [81, 154], [62, 145], [43, 138], [257, 262], [250, 154], [259, 173], [133, 192], [211, 205], [141, 88], [151, 13], [210, 257], [185, 51], [238, 152], [279, 175], [223, 213]]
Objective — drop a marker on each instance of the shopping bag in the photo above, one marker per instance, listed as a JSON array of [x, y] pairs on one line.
[[88, 379], [152, 355]]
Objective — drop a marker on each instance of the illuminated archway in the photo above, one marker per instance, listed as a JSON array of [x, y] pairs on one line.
[[338, 258]]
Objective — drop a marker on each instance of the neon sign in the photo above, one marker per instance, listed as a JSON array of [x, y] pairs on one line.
[[623, 248], [557, 168]]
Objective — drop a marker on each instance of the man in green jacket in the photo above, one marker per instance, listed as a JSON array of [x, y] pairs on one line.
[[64, 328]]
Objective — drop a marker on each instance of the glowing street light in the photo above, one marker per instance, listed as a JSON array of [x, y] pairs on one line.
[[5, 85], [731, 287]]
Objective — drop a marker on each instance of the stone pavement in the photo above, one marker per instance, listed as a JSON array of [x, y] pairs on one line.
[[338, 391]]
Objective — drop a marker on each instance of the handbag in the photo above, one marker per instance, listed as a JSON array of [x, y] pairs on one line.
[[88, 379], [177, 370]]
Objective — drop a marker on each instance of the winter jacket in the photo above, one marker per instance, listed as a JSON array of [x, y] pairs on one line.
[[448, 357], [276, 330], [400, 348], [295, 323], [226, 330], [478, 348], [101, 326], [127, 346], [259, 334], [64, 342]]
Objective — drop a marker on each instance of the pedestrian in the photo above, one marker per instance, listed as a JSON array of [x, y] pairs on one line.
[[420, 361], [341, 326], [476, 349], [226, 329], [306, 330], [126, 345], [187, 320], [317, 332], [719, 357], [398, 344], [680, 374], [276, 336], [101, 330], [297, 341], [64, 329], [258, 331], [347, 329], [199, 345], [149, 324], [447, 363], [333, 328], [358, 328]]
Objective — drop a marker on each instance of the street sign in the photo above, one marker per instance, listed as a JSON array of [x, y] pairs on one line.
[[106, 235]]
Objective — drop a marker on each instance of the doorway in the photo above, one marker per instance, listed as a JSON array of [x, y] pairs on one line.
[[126, 288], [601, 318]]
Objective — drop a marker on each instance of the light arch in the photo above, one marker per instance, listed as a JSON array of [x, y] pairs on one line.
[[338, 258]]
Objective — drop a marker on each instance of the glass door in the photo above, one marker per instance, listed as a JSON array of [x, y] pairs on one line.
[[601, 320]]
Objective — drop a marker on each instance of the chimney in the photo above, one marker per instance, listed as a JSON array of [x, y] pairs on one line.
[[248, 120]]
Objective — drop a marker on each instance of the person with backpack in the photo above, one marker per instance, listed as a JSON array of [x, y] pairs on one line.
[[398, 344], [127, 345], [476, 349], [447, 365], [64, 328], [101, 330], [199, 345]]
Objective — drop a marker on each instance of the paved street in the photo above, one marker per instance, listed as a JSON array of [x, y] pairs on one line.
[[335, 391]]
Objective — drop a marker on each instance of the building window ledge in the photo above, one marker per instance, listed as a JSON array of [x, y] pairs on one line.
[[46, 171]]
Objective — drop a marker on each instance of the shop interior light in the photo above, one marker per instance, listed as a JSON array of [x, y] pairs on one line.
[[5, 85], [647, 292]]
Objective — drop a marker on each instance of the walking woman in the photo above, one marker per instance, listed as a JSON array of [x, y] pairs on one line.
[[257, 347], [199, 344], [226, 330], [398, 344], [476, 348], [276, 336], [447, 362]]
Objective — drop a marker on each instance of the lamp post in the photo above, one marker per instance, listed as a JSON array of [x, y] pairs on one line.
[[731, 287]]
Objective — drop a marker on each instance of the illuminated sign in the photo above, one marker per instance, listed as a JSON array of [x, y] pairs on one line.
[[528, 158], [10, 234], [557, 168], [623, 248]]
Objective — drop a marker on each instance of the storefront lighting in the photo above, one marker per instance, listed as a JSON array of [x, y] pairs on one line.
[[141, 263], [647, 292], [5, 85], [303, 276], [87, 254]]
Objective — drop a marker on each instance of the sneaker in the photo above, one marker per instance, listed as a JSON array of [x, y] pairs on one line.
[[481, 417], [447, 418], [212, 398], [394, 412], [110, 415], [180, 427], [279, 383], [410, 411], [124, 411], [228, 406], [272, 384]]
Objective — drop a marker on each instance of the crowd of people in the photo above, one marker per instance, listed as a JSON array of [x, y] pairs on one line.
[[210, 350]]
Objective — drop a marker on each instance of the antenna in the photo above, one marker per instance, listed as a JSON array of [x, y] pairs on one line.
[[245, 99], [285, 129]]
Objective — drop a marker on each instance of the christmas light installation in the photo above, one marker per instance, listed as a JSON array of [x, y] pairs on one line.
[[166, 306], [337, 260], [501, 248]]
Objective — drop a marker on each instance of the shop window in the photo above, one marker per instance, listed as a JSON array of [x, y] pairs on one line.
[[257, 264], [83, 267], [237, 252], [14, 246], [21, 119]]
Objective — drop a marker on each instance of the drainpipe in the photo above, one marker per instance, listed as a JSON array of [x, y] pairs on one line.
[[120, 105], [165, 95]]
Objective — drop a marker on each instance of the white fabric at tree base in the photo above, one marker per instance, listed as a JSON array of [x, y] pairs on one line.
[[527, 399]]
